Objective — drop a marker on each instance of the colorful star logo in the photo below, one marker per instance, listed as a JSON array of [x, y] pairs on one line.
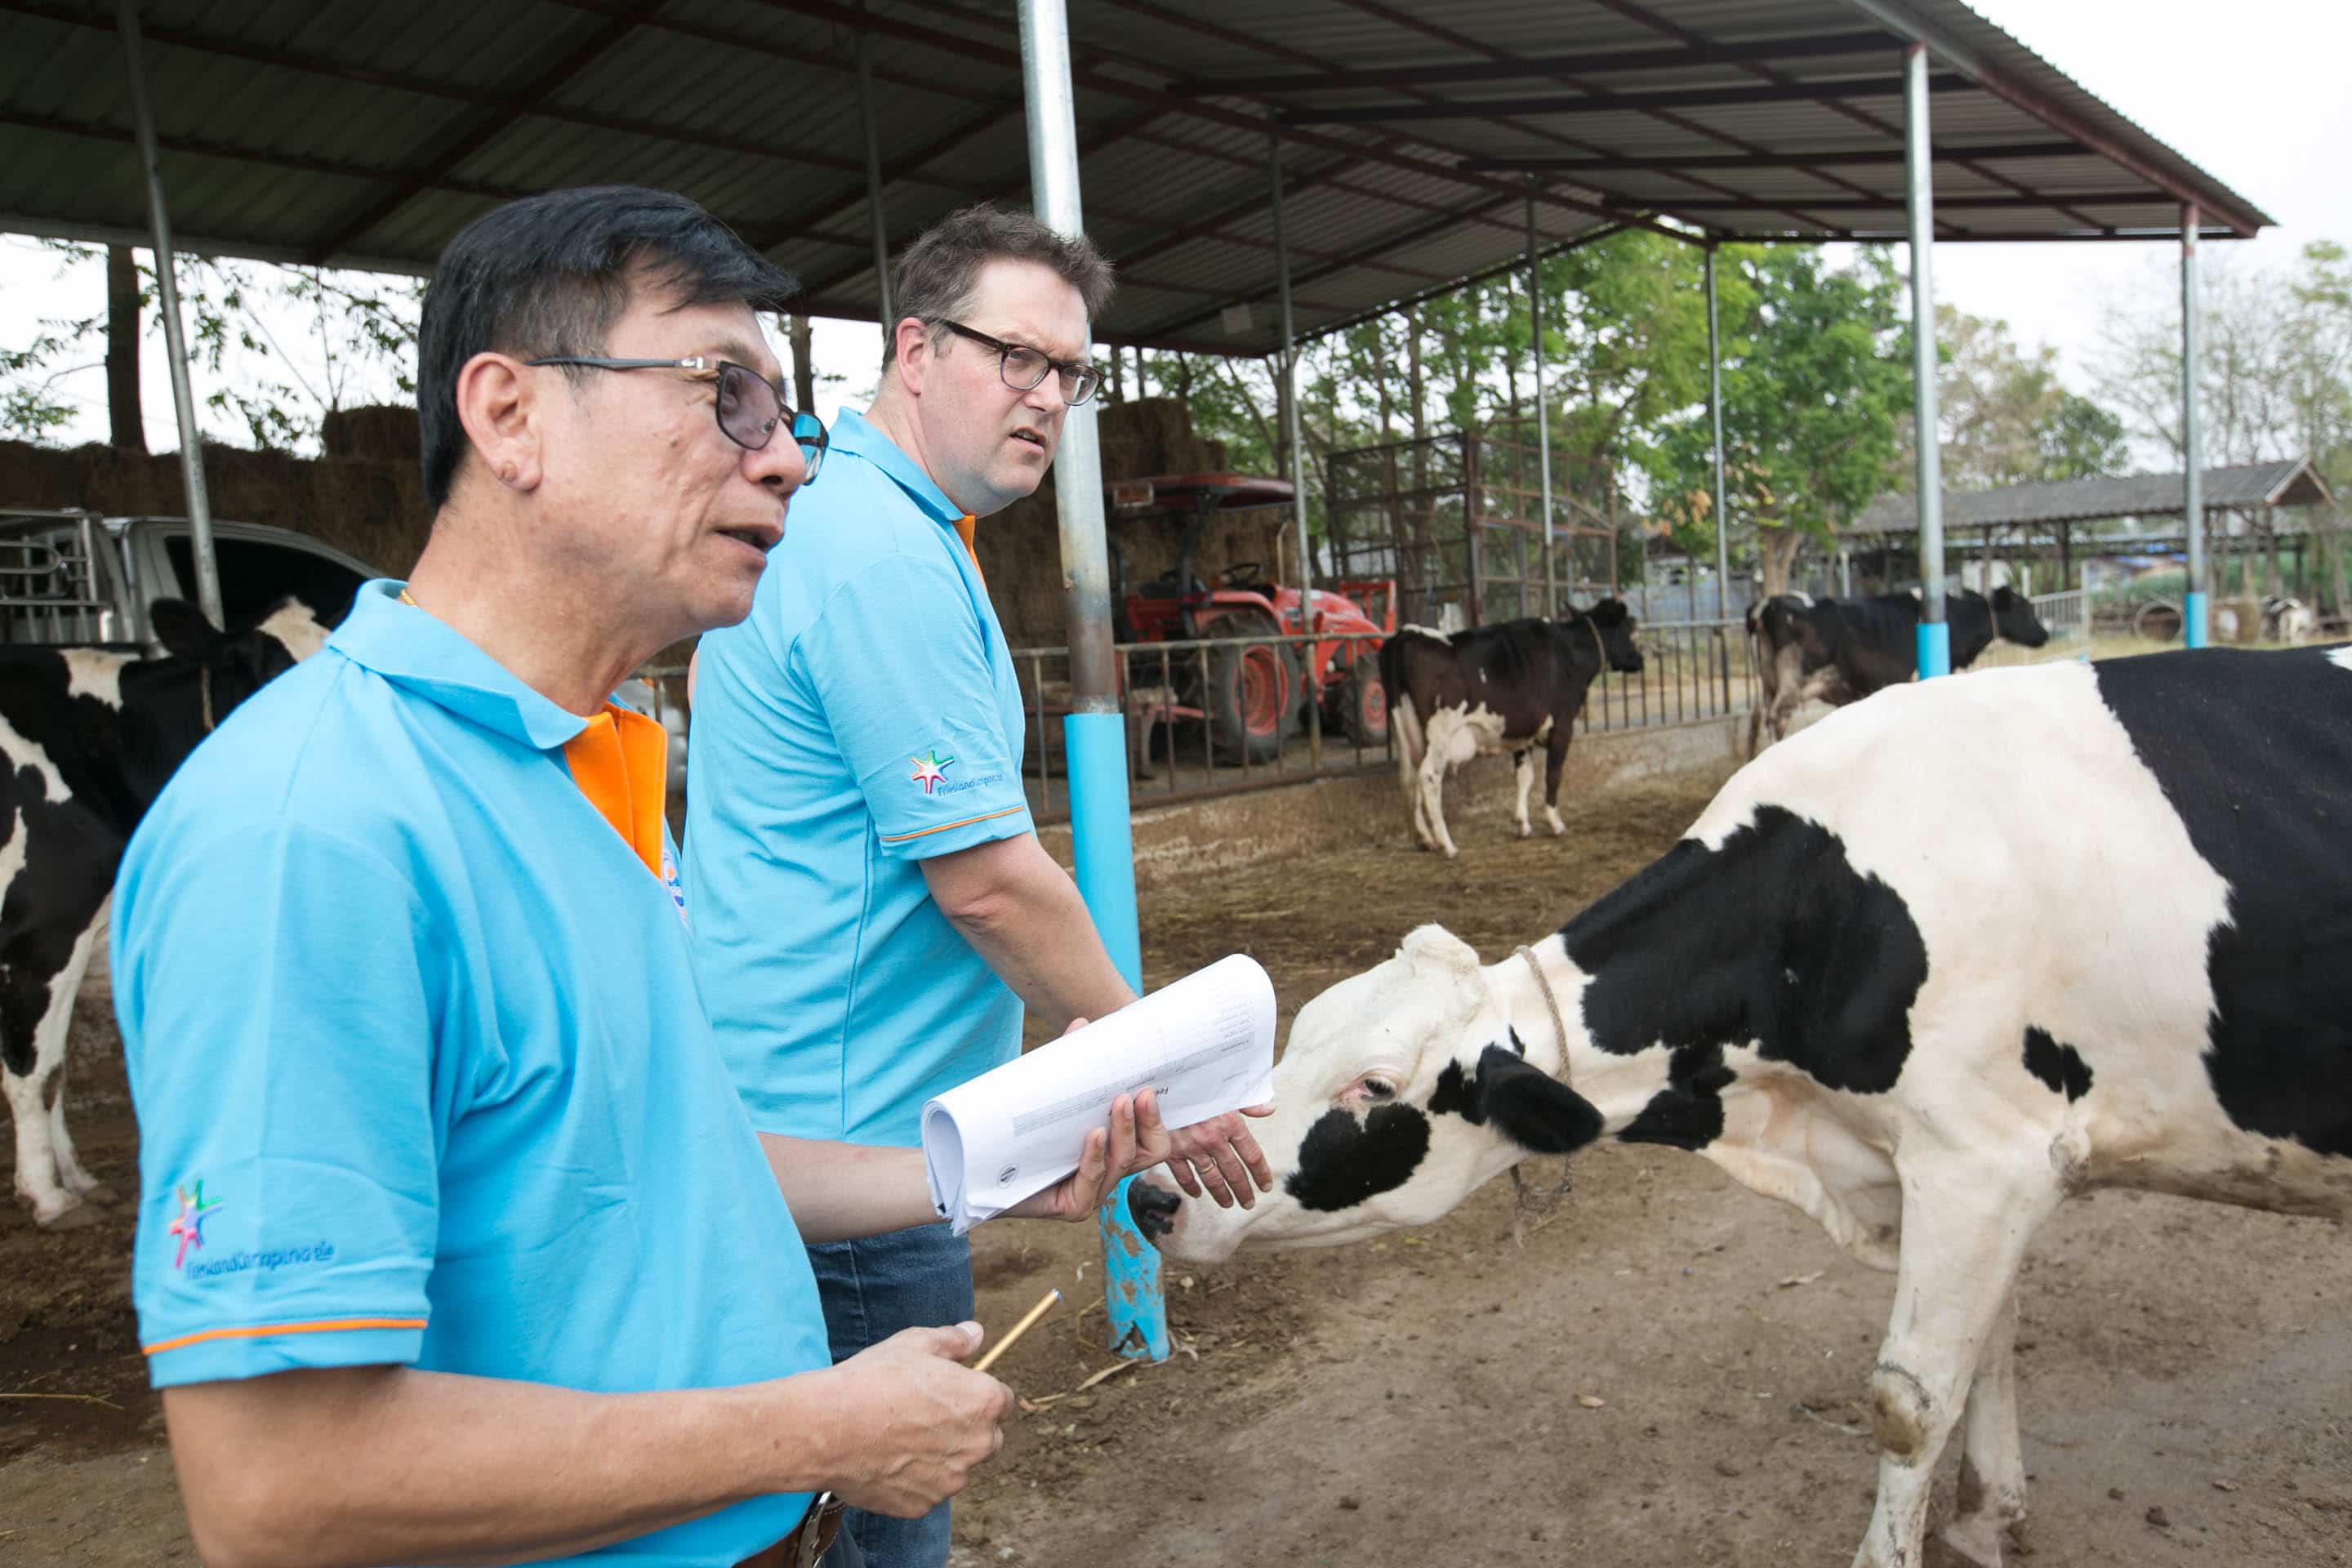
[[190, 1226], [930, 768]]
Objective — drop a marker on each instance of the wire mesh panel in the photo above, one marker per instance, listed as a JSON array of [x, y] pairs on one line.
[[1458, 519], [1402, 511]]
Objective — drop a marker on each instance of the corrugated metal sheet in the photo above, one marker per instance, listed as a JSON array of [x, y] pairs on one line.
[[366, 132], [2251, 486]]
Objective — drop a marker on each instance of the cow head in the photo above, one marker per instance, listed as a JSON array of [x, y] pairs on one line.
[[1402, 1090], [1615, 623], [232, 665], [2013, 618]]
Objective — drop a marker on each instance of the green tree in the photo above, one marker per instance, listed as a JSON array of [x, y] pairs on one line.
[[365, 328], [1816, 380]]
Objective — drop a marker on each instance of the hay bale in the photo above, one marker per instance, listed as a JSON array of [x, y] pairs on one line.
[[385, 432]]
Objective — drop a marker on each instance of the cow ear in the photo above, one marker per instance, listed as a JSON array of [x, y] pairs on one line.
[[180, 627], [1433, 951], [1532, 1107]]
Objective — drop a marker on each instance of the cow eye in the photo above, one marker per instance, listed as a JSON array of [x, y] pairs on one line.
[[1379, 1089]]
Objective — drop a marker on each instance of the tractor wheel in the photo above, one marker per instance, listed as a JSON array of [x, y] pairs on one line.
[[1253, 693], [1358, 705]]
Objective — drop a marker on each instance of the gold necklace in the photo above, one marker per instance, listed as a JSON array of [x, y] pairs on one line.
[[409, 599]]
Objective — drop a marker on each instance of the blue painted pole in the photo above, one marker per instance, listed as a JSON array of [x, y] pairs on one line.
[[1096, 729], [2192, 608], [1935, 650], [1097, 744]]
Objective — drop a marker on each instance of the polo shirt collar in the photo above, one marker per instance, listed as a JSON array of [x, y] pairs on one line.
[[426, 656], [853, 432]]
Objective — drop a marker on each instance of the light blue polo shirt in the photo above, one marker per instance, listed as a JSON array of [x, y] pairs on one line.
[[864, 719], [421, 1072]]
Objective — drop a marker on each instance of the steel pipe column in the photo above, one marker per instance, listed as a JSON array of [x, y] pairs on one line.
[[884, 309], [1543, 416], [2193, 623], [167, 287], [1935, 650], [1714, 413], [1288, 388], [1094, 731]]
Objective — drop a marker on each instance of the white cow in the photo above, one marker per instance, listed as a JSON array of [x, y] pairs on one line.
[[1923, 971]]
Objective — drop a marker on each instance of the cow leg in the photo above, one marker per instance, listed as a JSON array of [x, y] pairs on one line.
[[1523, 778], [1404, 733], [1967, 1219], [1992, 1468], [1555, 765], [63, 993], [1450, 743]]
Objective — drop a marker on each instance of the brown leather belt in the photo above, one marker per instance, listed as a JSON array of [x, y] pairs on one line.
[[809, 1539]]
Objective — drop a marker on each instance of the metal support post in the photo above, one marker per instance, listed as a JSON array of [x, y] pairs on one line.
[[1289, 390], [1935, 654], [1543, 417], [1094, 731], [2194, 625], [184, 399], [1714, 413], [885, 308]]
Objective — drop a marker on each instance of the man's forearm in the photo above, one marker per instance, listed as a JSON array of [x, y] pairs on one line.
[[1032, 929], [837, 1191], [383, 1465]]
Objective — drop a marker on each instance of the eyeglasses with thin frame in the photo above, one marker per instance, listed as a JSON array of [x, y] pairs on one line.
[[749, 406], [1022, 367]]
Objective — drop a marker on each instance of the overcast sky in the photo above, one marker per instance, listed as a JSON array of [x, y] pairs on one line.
[[2252, 91]]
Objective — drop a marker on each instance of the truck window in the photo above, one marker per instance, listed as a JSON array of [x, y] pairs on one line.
[[255, 576]]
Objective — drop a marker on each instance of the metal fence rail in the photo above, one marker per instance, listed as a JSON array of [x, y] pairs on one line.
[[1693, 671]]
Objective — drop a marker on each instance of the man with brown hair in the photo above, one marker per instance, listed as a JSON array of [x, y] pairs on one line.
[[872, 909]]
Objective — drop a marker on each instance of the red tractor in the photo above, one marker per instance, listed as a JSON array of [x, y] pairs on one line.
[[1250, 694]]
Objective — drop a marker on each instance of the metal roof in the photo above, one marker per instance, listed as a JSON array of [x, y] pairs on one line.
[[365, 132], [2248, 488]]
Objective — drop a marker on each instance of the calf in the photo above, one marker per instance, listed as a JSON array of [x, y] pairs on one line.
[[91, 737], [2288, 620], [1841, 651], [1923, 972], [1509, 687]]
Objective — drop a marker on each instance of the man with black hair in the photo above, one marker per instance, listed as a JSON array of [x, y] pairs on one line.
[[456, 1243]]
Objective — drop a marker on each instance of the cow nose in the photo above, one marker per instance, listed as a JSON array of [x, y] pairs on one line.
[[1154, 1209]]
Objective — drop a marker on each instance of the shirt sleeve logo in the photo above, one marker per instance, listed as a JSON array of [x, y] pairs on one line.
[[930, 769], [190, 1226]]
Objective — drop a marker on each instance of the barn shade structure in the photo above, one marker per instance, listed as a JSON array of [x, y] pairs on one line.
[[1259, 170]]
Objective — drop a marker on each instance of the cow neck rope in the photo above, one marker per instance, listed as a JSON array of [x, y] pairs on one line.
[[1559, 1027], [204, 687], [1600, 652]]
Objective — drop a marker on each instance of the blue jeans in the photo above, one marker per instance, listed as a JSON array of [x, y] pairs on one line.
[[872, 1287]]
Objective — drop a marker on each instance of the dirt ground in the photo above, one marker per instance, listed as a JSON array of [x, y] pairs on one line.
[[2186, 1370]]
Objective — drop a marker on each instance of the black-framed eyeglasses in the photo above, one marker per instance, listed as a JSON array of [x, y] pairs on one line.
[[1023, 367], [749, 406]]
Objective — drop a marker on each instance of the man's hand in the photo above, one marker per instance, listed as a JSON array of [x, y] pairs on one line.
[[916, 1422], [1220, 1157], [1134, 1142]]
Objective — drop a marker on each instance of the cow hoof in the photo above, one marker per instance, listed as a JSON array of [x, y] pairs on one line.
[[102, 1195], [1523, 832], [78, 1217]]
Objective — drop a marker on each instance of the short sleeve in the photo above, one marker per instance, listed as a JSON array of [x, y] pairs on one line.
[[900, 664], [272, 986]]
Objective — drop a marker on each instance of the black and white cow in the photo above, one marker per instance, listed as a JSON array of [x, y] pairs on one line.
[[91, 738], [1509, 687], [2288, 620], [1842, 650], [1923, 971]]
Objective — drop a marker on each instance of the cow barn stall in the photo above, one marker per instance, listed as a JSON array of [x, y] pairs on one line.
[[1268, 171]]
